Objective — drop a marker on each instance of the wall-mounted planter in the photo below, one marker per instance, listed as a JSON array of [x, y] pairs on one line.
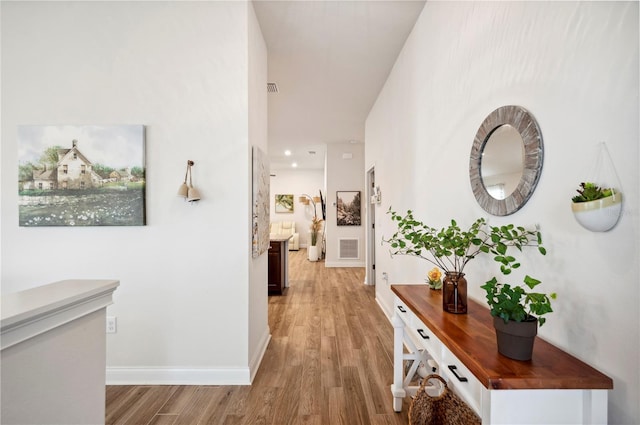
[[599, 215]]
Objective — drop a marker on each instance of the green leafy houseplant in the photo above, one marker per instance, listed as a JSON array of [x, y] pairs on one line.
[[516, 303], [591, 192]]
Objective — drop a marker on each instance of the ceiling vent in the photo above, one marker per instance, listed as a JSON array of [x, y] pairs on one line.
[[272, 88]]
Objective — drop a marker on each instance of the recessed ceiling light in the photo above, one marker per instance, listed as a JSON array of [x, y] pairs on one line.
[[294, 165], [287, 152]]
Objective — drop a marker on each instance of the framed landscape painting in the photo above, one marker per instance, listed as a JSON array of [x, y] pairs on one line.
[[81, 175], [348, 205]]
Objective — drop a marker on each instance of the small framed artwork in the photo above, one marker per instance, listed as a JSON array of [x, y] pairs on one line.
[[284, 204], [348, 204]]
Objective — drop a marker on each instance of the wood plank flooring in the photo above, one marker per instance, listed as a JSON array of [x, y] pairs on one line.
[[329, 362]]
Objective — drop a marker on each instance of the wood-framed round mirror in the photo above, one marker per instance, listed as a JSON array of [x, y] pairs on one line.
[[506, 160]]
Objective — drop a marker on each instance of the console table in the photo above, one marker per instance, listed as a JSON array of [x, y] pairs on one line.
[[278, 277], [552, 388]]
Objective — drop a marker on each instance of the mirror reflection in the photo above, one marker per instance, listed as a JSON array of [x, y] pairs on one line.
[[502, 161]]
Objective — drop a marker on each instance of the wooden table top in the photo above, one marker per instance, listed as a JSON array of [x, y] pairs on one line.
[[471, 338]]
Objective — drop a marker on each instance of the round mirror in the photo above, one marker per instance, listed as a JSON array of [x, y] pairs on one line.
[[506, 160]]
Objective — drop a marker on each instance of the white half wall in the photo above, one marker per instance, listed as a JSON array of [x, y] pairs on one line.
[[574, 66], [191, 297]]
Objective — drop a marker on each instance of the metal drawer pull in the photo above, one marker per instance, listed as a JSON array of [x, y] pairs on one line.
[[402, 309], [422, 334], [454, 370]]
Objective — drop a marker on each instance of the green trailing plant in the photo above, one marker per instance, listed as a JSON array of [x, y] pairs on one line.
[[591, 192], [451, 248], [517, 303]]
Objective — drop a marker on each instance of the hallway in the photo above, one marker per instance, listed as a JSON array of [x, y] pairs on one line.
[[329, 362]]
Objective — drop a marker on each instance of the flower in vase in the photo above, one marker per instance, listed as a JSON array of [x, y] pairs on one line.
[[435, 278]]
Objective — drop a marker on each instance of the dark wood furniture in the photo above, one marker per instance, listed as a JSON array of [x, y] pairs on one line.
[[278, 276]]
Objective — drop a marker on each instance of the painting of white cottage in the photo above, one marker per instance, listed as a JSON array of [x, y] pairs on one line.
[[81, 175]]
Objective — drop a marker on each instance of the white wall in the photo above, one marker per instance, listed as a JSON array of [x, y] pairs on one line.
[[297, 182], [181, 69], [344, 175], [574, 66], [258, 128]]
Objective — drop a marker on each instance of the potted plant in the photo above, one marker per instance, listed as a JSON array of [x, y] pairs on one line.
[[451, 248], [595, 208], [517, 312], [316, 226]]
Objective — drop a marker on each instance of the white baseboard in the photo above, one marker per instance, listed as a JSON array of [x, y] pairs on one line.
[[177, 376], [344, 263], [255, 362], [384, 310], [189, 376]]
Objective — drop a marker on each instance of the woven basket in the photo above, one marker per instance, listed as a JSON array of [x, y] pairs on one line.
[[444, 409]]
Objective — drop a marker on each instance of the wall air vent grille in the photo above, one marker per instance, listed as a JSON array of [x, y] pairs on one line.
[[349, 249], [272, 88]]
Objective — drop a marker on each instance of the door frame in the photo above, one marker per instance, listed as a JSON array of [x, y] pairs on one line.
[[370, 275]]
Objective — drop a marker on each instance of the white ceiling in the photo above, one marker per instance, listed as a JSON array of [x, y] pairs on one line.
[[329, 60]]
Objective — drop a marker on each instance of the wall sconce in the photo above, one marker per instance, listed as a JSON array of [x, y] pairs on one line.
[[188, 192]]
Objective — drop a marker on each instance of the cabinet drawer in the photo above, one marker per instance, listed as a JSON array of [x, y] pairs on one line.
[[427, 340], [461, 380], [403, 312], [419, 333]]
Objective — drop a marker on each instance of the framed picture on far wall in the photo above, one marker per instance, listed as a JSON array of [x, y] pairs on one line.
[[284, 204], [348, 204]]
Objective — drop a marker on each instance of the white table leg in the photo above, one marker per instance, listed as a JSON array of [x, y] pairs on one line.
[[397, 388]]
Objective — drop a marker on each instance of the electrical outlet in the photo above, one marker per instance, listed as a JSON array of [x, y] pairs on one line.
[[112, 324], [385, 276]]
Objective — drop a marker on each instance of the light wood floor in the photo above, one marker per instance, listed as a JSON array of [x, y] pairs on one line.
[[329, 362]]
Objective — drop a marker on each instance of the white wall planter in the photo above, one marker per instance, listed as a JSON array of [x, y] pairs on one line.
[[599, 215]]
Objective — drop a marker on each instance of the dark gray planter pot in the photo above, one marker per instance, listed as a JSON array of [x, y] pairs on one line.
[[515, 339]]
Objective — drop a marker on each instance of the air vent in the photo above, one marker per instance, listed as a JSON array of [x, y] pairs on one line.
[[272, 88], [348, 249]]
